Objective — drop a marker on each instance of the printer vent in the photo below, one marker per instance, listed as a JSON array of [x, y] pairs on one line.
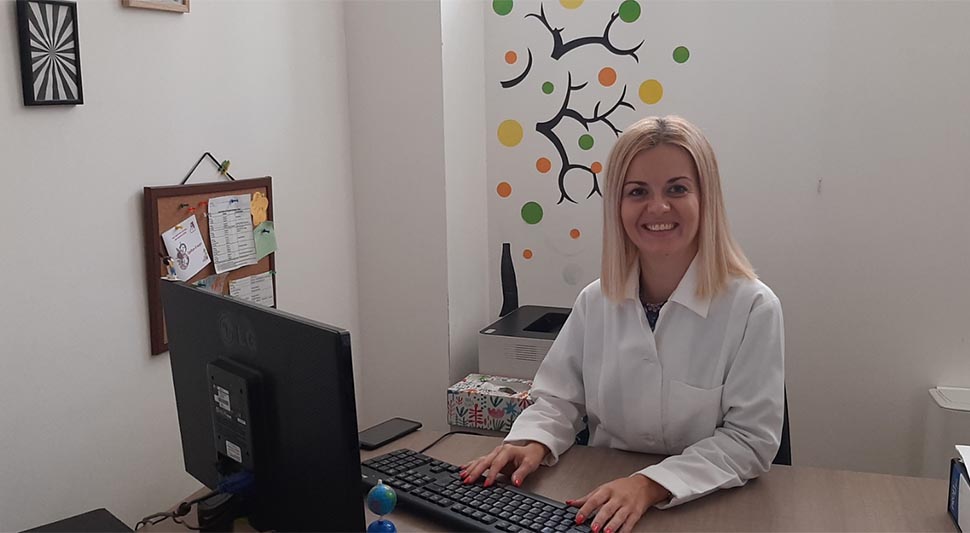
[[523, 352]]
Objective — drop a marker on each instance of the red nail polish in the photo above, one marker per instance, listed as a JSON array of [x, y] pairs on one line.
[[518, 482], [580, 519], [487, 483], [596, 528], [608, 530]]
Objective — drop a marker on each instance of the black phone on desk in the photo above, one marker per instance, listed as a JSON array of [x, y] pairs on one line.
[[387, 431]]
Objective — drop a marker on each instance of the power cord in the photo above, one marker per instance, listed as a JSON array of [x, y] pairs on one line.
[[450, 433], [238, 483]]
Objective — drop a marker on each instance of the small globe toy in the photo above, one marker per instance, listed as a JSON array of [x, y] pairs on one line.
[[381, 500], [381, 526]]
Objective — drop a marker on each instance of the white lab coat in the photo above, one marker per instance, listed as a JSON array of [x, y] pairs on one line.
[[706, 388]]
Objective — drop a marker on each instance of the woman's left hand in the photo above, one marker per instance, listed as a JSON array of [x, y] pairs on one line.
[[619, 504]]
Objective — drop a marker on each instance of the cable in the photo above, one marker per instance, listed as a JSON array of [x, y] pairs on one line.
[[237, 483], [450, 433]]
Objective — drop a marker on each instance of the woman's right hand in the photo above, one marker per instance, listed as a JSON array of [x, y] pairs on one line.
[[515, 460]]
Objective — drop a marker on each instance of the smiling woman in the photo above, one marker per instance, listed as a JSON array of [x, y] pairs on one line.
[[676, 350]]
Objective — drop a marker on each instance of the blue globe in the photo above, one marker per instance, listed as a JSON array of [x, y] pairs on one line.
[[381, 499], [381, 526]]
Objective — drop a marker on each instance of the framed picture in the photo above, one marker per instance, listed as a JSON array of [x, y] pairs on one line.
[[178, 6], [50, 60]]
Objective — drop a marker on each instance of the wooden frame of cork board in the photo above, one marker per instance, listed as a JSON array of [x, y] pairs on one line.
[[164, 208]]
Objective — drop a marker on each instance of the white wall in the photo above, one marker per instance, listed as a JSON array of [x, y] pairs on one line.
[[463, 73], [87, 417], [867, 97], [397, 146]]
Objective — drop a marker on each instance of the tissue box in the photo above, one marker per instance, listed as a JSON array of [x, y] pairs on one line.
[[482, 401]]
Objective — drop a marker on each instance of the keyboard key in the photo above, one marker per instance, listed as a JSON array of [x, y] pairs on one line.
[[488, 519], [502, 525], [514, 529]]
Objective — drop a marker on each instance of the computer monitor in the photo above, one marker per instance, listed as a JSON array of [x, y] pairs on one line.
[[294, 378]]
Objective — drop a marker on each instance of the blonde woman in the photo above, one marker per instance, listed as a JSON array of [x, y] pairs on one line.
[[678, 349]]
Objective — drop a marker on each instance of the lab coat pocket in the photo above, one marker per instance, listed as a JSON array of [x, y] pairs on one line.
[[692, 414]]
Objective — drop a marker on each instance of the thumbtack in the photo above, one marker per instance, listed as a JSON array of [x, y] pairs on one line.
[[178, 226], [183, 206], [224, 167], [191, 210]]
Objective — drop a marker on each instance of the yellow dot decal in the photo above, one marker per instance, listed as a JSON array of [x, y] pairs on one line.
[[571, 4], [527, 253], [543, 165], [651, 91], [504, 189], [574, 233], [510, 133]]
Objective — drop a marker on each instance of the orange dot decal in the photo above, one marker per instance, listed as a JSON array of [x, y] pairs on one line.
[[511, 57], [607, 76], [527, 253], [574, 233], [543, 165], [504, 189], [596, 167]]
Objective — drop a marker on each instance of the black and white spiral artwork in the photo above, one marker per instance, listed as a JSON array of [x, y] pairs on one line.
[[50, 60]]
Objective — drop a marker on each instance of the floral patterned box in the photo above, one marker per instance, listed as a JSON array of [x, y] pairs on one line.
[[489, 402]]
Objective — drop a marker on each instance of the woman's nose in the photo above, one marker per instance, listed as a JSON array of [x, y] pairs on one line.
[[658, 206]]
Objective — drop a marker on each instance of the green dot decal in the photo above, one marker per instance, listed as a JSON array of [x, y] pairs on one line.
[[681, 54], [629, 11], [532, 213], [586, 142], [548, 87], [504, 7]]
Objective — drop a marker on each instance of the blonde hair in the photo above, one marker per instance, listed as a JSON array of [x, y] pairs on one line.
[[719, 256]]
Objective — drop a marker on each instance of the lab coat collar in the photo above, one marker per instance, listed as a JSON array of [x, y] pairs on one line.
[[685, 294]]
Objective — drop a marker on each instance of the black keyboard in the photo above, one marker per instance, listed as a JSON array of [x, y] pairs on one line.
[[432, 488]]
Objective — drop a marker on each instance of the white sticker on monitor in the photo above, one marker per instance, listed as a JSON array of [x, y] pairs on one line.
[[235, 452], [222, 398]]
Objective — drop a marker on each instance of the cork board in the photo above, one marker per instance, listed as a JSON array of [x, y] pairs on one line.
[[167, 206]]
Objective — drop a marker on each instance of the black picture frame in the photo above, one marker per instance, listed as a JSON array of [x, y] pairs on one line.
[[50, 56]]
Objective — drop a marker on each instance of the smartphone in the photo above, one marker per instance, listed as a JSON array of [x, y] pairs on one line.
[[387, 431]]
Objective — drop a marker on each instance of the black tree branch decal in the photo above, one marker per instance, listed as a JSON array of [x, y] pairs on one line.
[[547, 130], [508, 84], [560, 48]]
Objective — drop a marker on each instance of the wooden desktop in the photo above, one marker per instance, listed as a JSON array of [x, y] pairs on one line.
[[785, 499]]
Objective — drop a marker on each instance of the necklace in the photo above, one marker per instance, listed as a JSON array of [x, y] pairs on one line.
[[653, 308]]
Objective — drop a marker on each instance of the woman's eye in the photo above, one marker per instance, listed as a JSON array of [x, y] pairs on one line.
[[636, 191], [678, 190]]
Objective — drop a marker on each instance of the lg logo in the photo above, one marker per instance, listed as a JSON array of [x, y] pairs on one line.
[[237, 333]]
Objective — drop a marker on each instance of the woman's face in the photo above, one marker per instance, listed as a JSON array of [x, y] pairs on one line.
[[660, 202]]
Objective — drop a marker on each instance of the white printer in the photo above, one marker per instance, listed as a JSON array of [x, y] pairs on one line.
[[515, 344]]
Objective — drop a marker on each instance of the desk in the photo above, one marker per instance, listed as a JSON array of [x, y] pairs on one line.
[[784, 499]]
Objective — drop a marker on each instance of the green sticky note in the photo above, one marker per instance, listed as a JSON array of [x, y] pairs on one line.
[[265, 236]]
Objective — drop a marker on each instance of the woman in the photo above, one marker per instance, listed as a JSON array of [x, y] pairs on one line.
[[678, 349]]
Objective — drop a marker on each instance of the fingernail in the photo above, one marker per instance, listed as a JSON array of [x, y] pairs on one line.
[[580, 519], [595, 528], [488, 483], [518, 482], [468, 481], [569, 502], [608, 530]]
